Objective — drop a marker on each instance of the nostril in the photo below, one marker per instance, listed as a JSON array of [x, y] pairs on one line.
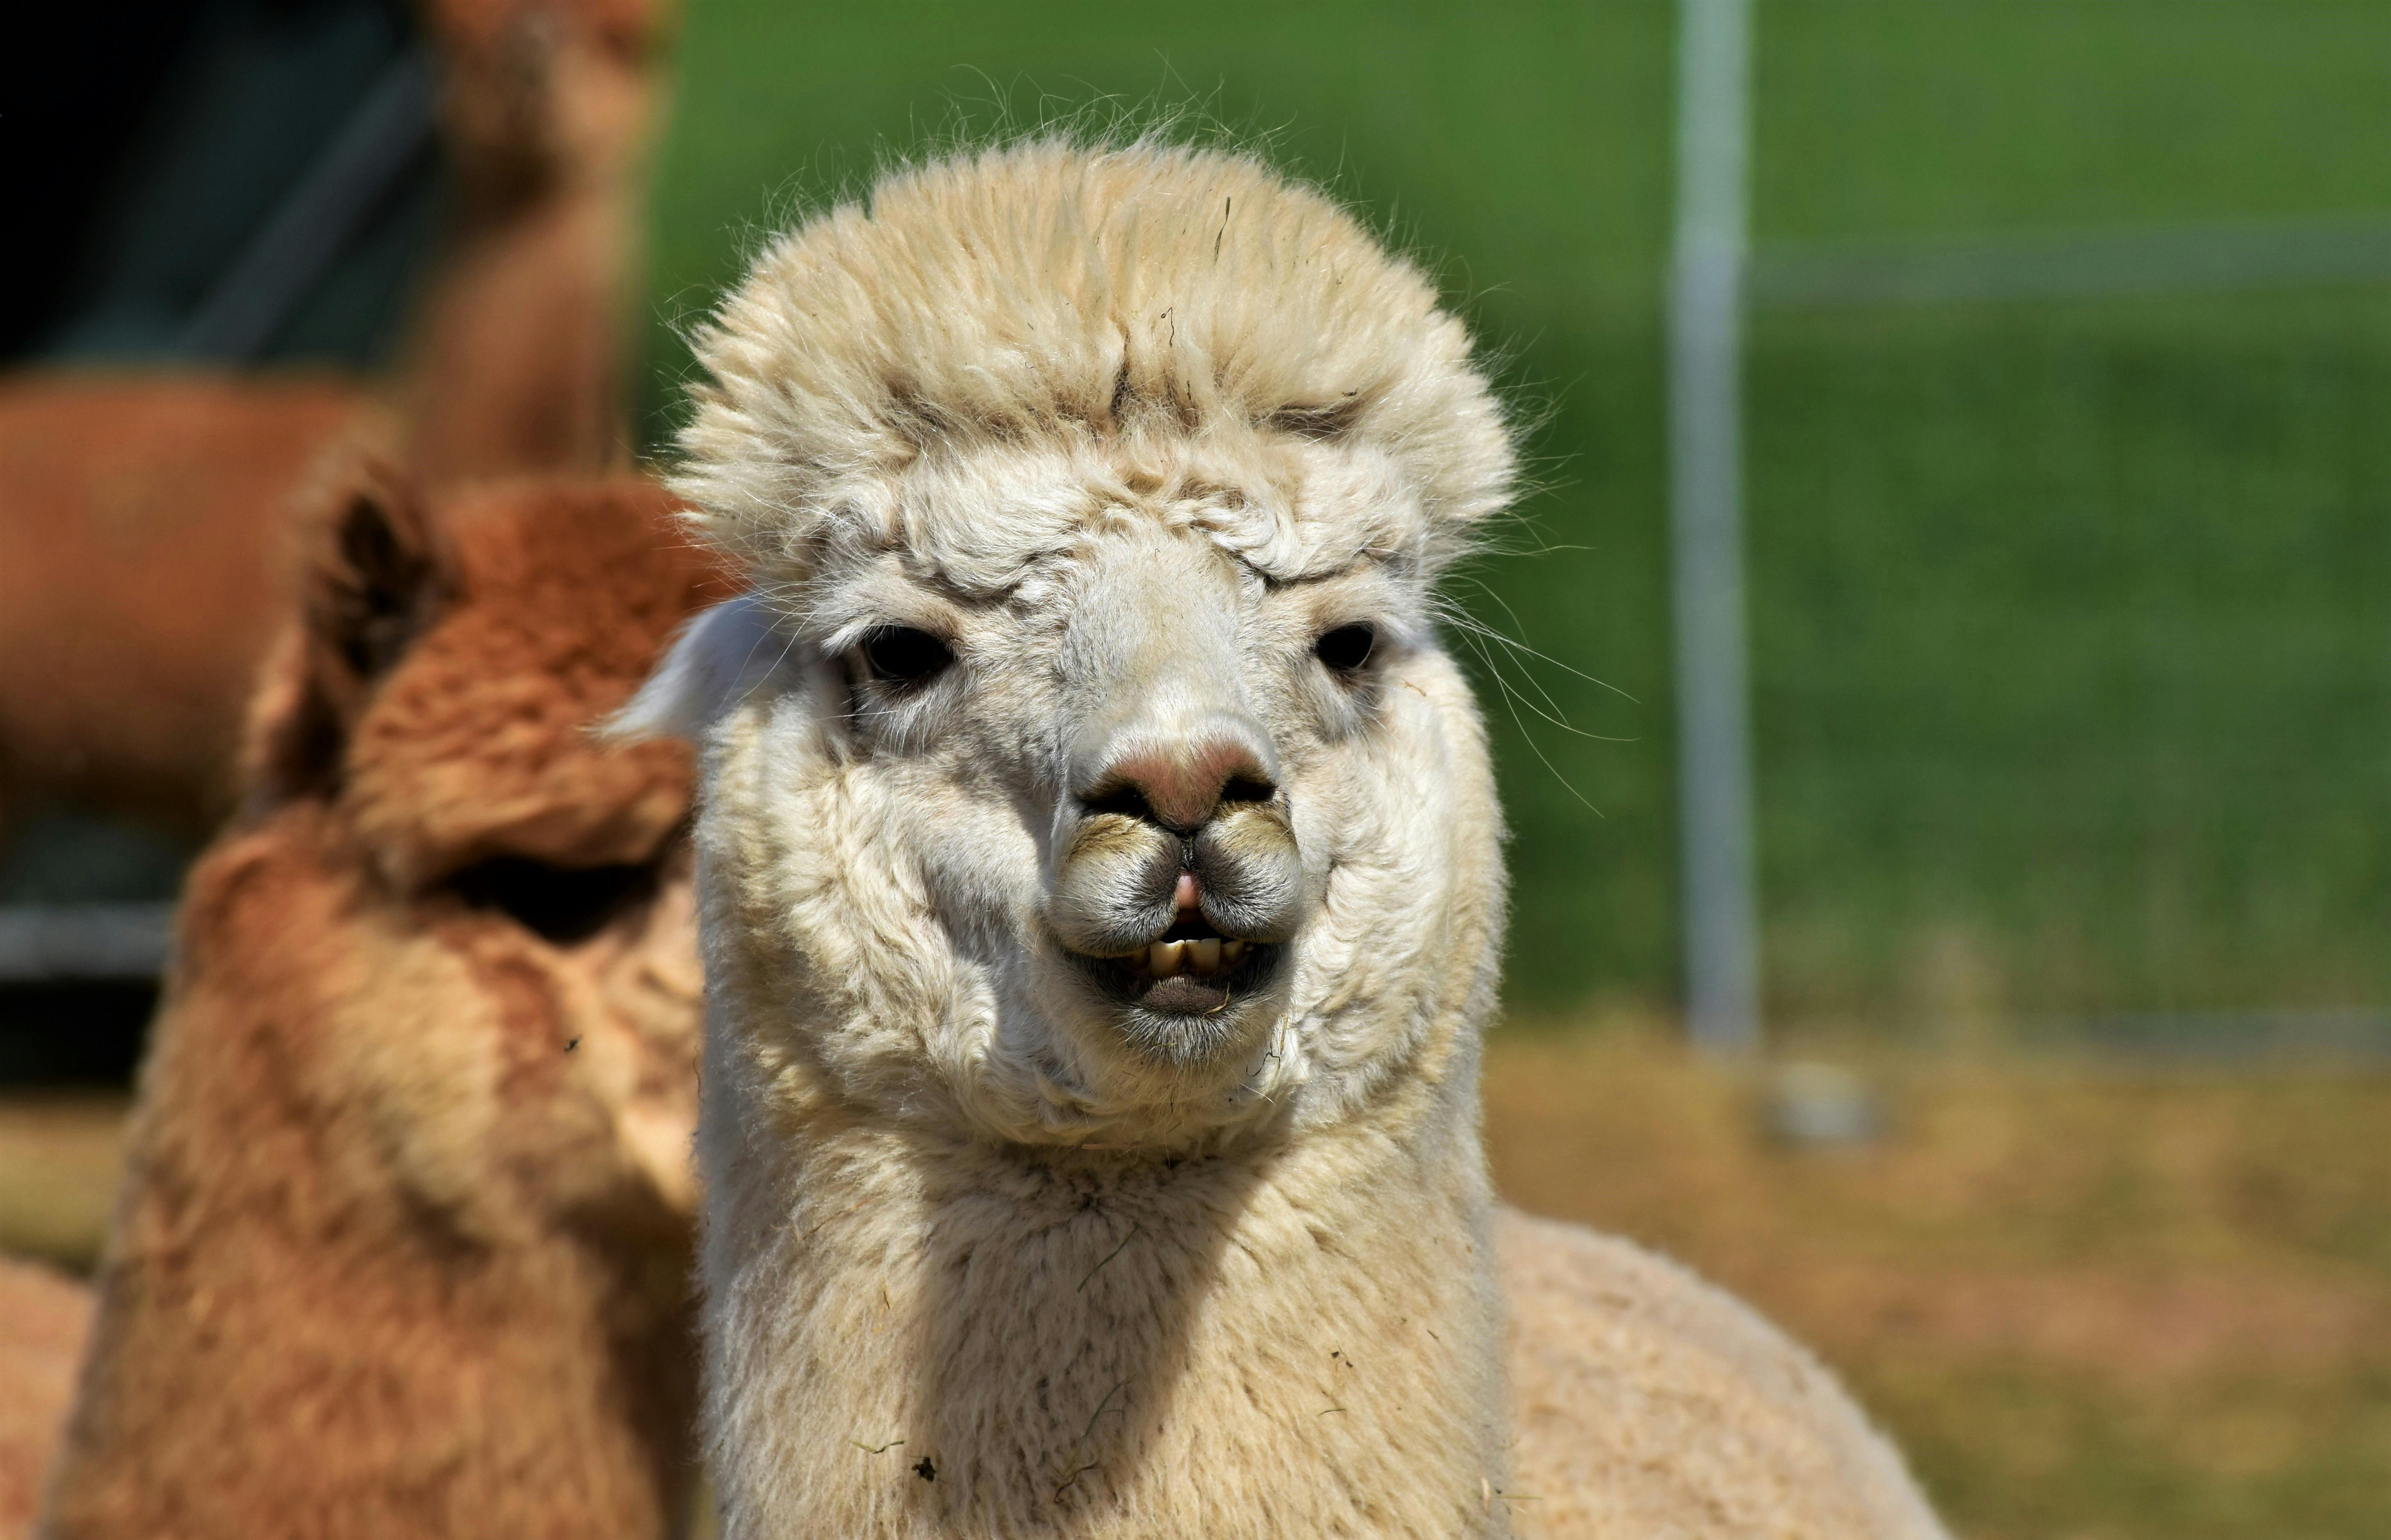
[[1248, 788], [1125, 799]]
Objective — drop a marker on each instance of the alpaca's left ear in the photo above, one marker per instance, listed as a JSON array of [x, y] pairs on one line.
[[716, 657], [376, 574]]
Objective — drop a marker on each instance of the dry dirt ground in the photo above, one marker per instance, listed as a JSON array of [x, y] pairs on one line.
[[2092, 1301], [2095, 1303]]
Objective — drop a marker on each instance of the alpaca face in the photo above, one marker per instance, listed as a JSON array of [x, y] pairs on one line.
[[1133, 810], [510, 899], [1083, 764]]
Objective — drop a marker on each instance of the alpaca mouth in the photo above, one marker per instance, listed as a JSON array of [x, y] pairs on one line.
[[1191, 969]]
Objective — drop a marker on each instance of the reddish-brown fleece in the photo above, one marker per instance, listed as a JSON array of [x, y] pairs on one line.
[[123, 692], [403, 1245], [44, 1319], [125, 689], [517, 355]]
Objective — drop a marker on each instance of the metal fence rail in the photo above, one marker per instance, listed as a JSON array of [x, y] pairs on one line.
[[59, 943], [2069, 263]]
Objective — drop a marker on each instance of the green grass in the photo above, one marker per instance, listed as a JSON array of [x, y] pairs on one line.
[[2073, 645], [2069, 620], [1880, 117]]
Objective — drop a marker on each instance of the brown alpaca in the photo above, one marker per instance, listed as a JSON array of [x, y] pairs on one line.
[[403, 1245], [517, 355], [124, 694]]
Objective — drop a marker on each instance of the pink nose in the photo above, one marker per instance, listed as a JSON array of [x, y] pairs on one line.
[[1181, 785]]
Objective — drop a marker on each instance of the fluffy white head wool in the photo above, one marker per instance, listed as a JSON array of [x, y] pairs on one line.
[[1147, 297]]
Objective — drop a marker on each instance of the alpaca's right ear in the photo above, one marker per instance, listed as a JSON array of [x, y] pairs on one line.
[[375, 572], [717, 658]]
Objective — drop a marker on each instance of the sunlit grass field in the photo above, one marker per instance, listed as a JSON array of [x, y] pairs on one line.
[[2070, 678], [2067, 617], [2073, 659]]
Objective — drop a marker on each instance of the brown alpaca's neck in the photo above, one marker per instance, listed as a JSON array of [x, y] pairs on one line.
[[288, 1338], [1295, 1338]]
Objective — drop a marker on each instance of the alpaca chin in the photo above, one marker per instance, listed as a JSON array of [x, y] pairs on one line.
[[1184, 1026]]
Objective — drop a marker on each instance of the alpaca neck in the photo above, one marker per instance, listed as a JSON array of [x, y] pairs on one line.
[[284, 1331], [916, 1334]]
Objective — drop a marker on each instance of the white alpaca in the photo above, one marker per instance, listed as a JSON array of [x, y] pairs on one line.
[[1102, 902]]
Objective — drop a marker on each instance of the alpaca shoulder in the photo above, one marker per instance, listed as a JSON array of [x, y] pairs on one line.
[[1647, 1401]]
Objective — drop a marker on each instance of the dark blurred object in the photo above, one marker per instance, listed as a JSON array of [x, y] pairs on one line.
[[80, 1031], [375, 153], [166, 142], [71, 107], [87, 941], [83, 935]]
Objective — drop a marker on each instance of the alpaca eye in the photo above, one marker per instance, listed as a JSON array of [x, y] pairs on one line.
[[561, 904], [899, 655], [1346, 648]]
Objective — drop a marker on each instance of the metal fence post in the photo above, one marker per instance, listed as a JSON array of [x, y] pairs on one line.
[[1706, 283]]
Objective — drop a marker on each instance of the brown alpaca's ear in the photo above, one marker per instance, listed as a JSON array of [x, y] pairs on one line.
[[374, 575]]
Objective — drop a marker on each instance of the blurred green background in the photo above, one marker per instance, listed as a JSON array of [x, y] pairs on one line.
[[2070, 618]]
